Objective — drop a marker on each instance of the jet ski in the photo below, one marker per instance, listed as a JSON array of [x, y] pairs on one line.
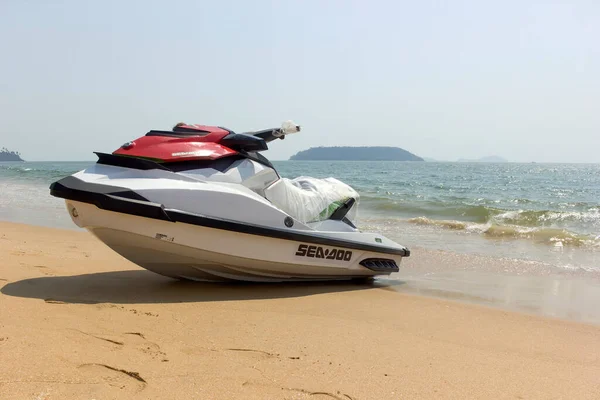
[[203, 203]]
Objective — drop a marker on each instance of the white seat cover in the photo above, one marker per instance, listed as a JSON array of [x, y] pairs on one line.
[[310, 199]]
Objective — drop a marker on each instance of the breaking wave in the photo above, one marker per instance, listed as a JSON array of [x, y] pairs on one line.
[[569, 224], [551, 236], [485, 210]]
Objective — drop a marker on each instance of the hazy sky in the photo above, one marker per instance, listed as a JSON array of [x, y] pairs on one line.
[[520, 79]]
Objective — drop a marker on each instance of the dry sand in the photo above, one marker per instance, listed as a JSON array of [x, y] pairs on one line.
[[79, 322]]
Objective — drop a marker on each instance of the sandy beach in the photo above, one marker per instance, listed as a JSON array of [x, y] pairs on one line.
[[79, 322]]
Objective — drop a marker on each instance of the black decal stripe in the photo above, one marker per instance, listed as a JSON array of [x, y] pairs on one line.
[[120, 199], [74, 186], [128, 162], [123, 200]]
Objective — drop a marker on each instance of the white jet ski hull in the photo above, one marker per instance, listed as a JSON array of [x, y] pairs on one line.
[[192, 252]]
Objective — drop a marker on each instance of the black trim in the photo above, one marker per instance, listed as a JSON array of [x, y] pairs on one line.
[[75, 186], [179, 133], [340, 213], [220, 164], [268, 135], [244, 142], [106, 198], [112, 198], [128, 162], [380, 264], [347, 221], [191, 131], [259, 158]]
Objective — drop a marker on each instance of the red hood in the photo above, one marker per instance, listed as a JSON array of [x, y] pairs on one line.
[[185, 142]]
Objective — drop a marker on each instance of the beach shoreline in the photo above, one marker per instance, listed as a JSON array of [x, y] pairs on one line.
[[80, 322], [513, 284]]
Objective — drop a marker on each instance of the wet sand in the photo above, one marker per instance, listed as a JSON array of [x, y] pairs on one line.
[[79, 322], [511, 284]]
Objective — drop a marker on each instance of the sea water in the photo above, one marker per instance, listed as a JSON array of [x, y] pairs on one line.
[[547, 213]]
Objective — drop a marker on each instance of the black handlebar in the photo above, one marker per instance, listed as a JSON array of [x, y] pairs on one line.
[[268, 135]]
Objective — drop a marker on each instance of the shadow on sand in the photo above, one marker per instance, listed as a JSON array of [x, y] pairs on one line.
[[140, 286]]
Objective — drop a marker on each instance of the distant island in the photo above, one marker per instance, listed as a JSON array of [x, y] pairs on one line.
[[6, 155], [363, 153]]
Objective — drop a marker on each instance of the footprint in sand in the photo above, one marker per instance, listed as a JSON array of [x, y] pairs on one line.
[[256, 352], [264, 353], [122, 378], [44, 270], [132, 310], [305, 393], [114, 376], [146, 346], [136, 340], [252, 353], [119, 343]]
